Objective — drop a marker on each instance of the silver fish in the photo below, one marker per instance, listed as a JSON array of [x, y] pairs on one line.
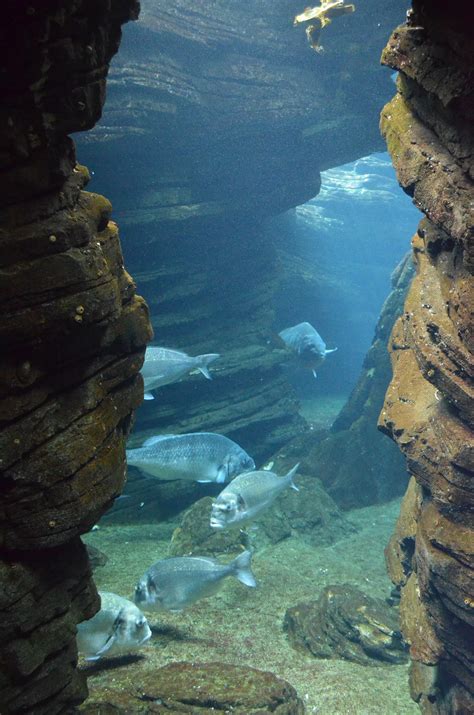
[[119, 627], [307, 343], [198, 456], [175, 583], [247, 496], [163, 366]]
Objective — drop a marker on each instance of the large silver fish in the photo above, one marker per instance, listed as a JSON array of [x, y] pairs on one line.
[[119, 627], [163, 366], [247, 496], [175, 583], [198, 456], [307, 343]]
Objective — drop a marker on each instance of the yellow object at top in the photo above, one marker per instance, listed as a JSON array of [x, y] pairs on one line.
[[322, 14]]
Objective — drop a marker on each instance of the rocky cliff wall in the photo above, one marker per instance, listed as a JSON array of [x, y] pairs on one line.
[[240, 116], [429, 407], [72, 336], [358, 465]]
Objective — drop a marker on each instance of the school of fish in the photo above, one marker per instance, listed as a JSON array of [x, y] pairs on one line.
[[175, 583]]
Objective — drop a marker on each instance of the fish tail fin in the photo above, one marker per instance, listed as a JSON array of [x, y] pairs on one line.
[[242, 570], [290, 476], [148, 396], [204, 362]]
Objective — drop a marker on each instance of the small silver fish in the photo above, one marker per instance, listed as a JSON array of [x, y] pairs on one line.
[[197, 456], [163, 366], [247, 496], [175, 583], [307, 343], [119, 627]]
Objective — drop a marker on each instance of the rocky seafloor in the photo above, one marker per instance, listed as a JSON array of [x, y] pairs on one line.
[[244, 626]]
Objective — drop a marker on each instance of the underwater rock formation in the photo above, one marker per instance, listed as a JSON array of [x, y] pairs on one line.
[[240, 116], [346, 623], [72, 337], [194, 688], [428, 409], [356, 464]]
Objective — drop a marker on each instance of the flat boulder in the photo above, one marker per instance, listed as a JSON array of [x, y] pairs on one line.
[[207, 688]]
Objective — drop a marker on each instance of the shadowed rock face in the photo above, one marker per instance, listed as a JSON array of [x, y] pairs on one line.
[[357, 465], [72, 336], [429, 407]]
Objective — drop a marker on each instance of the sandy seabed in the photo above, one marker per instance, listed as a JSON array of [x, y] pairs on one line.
[[241, 625]]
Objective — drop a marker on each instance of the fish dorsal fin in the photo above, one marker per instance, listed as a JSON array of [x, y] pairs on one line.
[[153, 440]]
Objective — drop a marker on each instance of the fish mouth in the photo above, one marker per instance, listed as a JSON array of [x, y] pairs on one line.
[[216, 524]]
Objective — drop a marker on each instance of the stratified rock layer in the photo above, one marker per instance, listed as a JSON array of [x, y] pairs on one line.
[[346, 623], [72, 335], [206, 688], [429, 405]]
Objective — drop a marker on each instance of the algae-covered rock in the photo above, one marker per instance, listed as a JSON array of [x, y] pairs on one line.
[[205, 688], [194, 536], [346, 623]]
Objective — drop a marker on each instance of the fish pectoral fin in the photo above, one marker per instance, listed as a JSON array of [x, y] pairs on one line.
[[148, 396], [106, 647], [221, 474], [204, 481]]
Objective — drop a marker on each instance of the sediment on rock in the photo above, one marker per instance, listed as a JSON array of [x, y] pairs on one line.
[[72, 338], [428, 408]]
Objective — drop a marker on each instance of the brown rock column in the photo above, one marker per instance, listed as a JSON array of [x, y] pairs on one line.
[[72, 337], [429, 405]]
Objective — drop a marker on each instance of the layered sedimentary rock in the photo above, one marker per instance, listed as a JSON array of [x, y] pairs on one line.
[[357, 465], [346, 623], [204, 688], [225, 116], [429, 406], [72, 336]]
